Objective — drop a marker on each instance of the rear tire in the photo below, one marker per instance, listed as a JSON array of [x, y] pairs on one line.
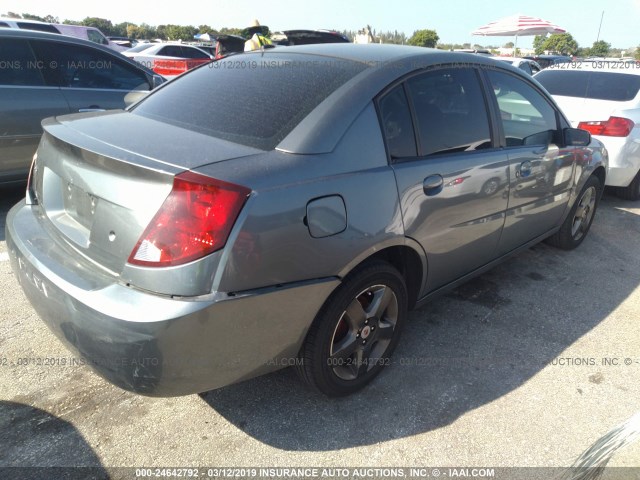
[[356, 331], [576, 226], [631, 192]]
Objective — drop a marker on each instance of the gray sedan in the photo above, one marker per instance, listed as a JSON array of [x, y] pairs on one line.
[[290, 207], [44, 74]]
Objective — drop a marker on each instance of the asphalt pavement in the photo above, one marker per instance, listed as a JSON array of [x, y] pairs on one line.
[[524, 366]]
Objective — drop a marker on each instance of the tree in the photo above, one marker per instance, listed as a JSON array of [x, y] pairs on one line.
[[538, 42], [206, 29], [638, 53], [12, 15], [600, 49], [120, 29], [424, 38], [509, 45], [102, 24], [562, 43], [28, 16]]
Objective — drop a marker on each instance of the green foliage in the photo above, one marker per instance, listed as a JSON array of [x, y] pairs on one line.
[[562, 43], [424, 38], [600, 49], [11, 15], [206, 29], [637, 53], [102, 24], [538, 42], [395, 37], [509, 45]]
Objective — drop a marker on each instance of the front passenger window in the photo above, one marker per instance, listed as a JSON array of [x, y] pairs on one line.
[[450, 111], [527, 118]]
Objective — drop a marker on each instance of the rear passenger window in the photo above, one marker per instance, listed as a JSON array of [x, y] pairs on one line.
[[397, 124], [17, 65], [450, 111], [527, 118], [82, 67], [171, 51]]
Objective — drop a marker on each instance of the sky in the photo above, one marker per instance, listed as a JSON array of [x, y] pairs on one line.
[[452, 19]]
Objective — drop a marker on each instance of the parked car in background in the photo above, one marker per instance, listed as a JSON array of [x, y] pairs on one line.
[[169, 59], [51, 74], [228, 45], [547, 60], [232, 223], [27, 25], [125, 42], [139, 47], [86, 33], [91, 34], [308, 37], [529, 66], [481, 51], [603, 98]]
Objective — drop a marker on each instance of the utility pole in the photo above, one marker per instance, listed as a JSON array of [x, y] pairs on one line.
[[600, 27]]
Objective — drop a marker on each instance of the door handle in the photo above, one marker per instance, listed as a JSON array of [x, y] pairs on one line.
[[525, 168], [85, 110], [432, 185]]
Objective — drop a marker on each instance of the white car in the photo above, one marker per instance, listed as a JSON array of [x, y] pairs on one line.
[[604, 99], [169, 59], [530, 66]]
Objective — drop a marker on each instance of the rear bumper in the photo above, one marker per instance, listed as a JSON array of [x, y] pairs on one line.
[[624, 159], [156, 345]]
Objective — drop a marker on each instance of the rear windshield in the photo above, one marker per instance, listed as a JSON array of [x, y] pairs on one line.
[[619, 87], [251, 99]]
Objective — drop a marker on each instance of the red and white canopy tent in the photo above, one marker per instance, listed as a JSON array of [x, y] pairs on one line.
[[518, 25]]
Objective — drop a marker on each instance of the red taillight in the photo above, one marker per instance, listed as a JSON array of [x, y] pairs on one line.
[[176, 67], [614, 127], [194, 220]]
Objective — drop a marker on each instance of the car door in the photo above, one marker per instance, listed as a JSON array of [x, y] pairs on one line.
[[90, 79], [25, 99], [452, 180], [540, 171]]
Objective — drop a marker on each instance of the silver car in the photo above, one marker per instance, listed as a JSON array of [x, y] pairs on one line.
[[44, 74], [287, 207]]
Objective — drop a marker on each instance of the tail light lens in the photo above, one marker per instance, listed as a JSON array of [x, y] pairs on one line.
[[614, 127], [176, 67], [194, 220]]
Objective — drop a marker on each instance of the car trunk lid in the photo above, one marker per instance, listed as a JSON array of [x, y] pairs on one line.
[[99, 198]]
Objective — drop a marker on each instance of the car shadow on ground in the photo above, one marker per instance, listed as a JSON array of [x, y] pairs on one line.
[[461, 351], [35, 445], [9, 196]]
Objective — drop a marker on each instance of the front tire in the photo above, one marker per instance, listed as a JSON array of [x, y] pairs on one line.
[[356, 331], [577, 224]]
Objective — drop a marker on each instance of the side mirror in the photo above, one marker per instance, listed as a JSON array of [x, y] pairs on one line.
[[134, 97], [575, 137]]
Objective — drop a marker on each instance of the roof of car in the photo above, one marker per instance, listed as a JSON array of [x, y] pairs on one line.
[[376, 53], [385, 64], [22, 20]]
